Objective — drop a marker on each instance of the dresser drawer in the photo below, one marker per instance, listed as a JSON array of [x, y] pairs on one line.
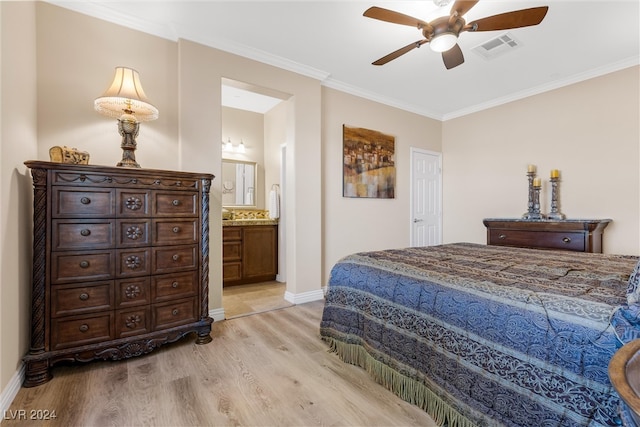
[[78, 299], [81, 330], [132, 262], [132, 292], [133, 232], [133, 203], [82, 266], [539, 239], [132, 322], [175, 203], [173, 232], [74, 202], [174, 286], [79, 234], [174, 313], [174, 258]]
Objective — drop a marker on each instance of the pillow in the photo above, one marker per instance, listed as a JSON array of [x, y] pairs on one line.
[[633, 288]]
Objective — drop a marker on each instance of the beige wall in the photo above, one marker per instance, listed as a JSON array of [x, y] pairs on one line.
[[589, 131], [18, 133], [76, 59], [350, 224]]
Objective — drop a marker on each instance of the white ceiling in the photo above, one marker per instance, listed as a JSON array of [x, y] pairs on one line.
[[333, 42]]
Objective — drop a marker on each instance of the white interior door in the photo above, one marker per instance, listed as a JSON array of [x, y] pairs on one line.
[[426, 198]]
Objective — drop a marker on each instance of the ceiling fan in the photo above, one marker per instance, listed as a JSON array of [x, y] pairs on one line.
[[442, 33]]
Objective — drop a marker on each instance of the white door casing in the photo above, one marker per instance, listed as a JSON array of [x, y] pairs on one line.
[[426, 197]]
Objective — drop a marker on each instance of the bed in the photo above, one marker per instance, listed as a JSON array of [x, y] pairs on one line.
[[482, 335]]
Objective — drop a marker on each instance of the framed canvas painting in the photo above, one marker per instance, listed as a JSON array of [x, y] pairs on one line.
[[368, 164]]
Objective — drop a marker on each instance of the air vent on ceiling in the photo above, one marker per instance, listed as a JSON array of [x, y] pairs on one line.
[[497, 46]]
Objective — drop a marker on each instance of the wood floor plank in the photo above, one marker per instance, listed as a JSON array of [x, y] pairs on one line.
[[267, 369]]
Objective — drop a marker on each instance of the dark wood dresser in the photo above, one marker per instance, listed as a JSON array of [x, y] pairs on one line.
[[120, 263], [249, 254], [580, 235]]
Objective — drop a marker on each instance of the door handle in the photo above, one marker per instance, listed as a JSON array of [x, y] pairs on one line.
[[418, 220]]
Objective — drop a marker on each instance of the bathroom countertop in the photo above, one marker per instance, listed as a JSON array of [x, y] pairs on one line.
[[248, 222]]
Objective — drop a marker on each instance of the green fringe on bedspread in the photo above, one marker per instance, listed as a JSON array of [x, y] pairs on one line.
[[404, 387]]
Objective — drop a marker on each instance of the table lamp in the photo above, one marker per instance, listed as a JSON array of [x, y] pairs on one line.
[[126, 101]]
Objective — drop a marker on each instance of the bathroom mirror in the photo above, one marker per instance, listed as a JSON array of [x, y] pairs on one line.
[[238, 183]]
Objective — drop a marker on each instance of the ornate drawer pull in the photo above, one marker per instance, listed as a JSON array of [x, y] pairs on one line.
[[175, 202], [134, 232], [175, 257], [176, 229], [174, 285], [84, 296], [83, 328], [133, 203], [84, 264], [85, 232], [85, 200], [133, 262], [502, 236], [566, 239], [175, 312]]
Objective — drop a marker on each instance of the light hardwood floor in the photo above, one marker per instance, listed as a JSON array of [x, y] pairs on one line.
[[268, 369]]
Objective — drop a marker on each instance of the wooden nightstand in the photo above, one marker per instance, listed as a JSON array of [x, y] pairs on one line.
[[580, 235]]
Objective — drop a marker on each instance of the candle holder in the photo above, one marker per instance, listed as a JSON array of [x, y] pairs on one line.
[[555, 211], [527, 215], [535, 213]]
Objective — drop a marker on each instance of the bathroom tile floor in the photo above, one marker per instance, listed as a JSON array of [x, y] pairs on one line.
[[243, 300]]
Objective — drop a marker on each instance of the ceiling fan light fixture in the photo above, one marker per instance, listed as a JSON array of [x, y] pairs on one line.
[[443, 42], [441, 3]]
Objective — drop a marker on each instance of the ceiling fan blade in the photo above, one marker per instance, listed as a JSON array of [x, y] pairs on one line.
[[508, 20], [394, 17], [453, 57], [399, 52], [462, 6]]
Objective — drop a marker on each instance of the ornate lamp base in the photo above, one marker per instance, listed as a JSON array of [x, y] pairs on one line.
[[128, 127]]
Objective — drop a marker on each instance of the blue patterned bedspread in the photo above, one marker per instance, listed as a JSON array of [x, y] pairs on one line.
[[483, 335]]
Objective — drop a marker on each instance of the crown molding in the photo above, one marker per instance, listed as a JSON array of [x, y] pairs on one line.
[[557, 84]]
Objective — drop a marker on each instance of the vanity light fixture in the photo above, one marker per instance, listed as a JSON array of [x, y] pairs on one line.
[[228, 147]]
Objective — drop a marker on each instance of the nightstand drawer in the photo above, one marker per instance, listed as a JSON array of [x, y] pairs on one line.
[[538, 239], [78, 299]]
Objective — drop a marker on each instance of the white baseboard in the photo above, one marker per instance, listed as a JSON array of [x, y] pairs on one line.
[[304, 297], [217, 314], [12, 388]]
